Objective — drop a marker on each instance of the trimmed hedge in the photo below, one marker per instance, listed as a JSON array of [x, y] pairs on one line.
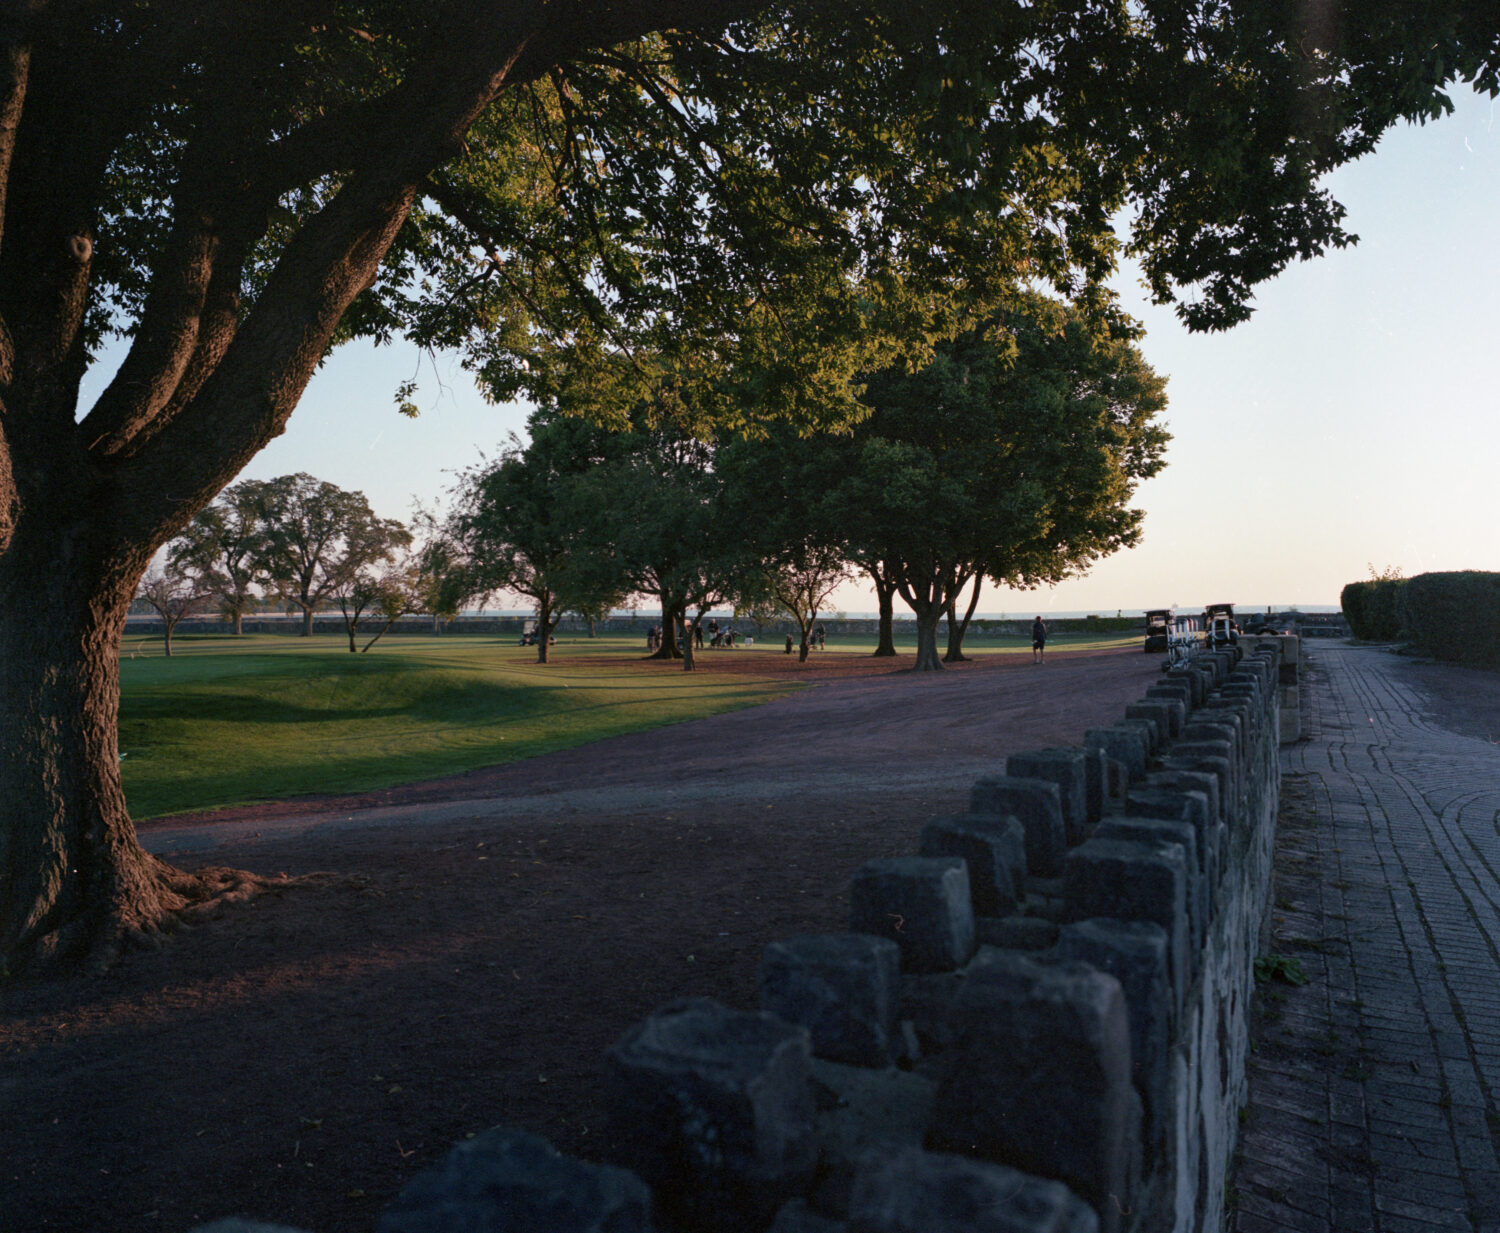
[[1454, 616], [1374, 609]]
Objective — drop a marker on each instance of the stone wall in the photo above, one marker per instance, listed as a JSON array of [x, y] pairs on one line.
[[1037, 1021]]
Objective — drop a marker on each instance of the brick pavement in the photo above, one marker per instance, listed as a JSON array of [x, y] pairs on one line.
[[1373, 1086]]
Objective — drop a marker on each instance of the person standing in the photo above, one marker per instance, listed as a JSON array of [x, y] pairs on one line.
[[1038, 641]]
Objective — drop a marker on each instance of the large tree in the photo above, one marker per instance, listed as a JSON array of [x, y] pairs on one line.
[[236, 186], [1012, 455]]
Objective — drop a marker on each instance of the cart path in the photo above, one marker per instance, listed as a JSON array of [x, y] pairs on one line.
[[1373, 1091]]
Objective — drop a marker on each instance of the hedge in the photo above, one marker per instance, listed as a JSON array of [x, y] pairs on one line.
[[1454, 616], [1373, 609]]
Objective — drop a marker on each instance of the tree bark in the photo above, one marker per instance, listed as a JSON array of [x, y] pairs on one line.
[[958, 629], [927, 652], [74, 882], [885, 594]]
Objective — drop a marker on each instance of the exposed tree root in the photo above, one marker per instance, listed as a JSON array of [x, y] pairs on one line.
[[145, 910]]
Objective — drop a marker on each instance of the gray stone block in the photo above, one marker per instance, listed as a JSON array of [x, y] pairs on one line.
[[1178, 805], [1173, 690], [1197, 683], [1067, 767], [1190, 781], [927, 1007], [508, 1181], [1147, 729], [1040, 1075], [920, 903], [1124, 745], [1180, 834], [1096, 783], [1016, 932], [1220, 768], [1037, 805], [714, 1108], [1135, 954], [842, 987], [238, 1224], [1133, 881], [879, 1112], [1222, 750], [1166, 713], [930, 1192], [994, 850], [797, 1217]]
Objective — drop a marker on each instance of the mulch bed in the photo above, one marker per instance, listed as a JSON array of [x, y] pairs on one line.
[[303, 1056]]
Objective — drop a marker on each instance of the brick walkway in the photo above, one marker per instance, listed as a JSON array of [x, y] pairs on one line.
[[1374, 1085]]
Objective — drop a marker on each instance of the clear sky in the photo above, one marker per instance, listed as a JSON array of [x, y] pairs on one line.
[[1352, 421]]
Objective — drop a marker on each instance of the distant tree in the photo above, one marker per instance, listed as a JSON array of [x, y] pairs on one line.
[[171, 593], [319, 538], [225, 548], [532, 523], [384, 591]]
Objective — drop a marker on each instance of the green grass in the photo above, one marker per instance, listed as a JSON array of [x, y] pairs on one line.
[[230, 721]]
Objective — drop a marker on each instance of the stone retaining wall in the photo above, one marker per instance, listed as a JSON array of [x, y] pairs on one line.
[[1037, 1021]]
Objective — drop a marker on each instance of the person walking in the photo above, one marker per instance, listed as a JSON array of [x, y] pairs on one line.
[[1038, 641]]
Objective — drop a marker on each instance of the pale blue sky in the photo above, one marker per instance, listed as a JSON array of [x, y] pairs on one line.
[[1350, 421]]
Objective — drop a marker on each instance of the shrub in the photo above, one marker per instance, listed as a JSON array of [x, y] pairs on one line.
[[1373, 609], [1454, 616]]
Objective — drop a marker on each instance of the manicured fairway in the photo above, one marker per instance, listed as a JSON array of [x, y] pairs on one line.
[[233, 720]]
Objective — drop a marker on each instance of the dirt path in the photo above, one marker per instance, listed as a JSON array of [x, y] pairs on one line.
[[477, 944]]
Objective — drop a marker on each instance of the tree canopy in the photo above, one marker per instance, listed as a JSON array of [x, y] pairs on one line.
[[595, 202]]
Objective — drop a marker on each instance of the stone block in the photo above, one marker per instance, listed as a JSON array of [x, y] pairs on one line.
[[1183, 835], [1221, 750], [714, 1108], [1196, 681], [1190, 781], [1166, 713], [1040, 1076], [880, 1112], [927, 1008], [1096, 783], [1178, 692], [1178, 805], [1148, 730], [1125, 745], [1037, 805], [508, 1181], [842, 987], [1116, 778], [931, 1192], [1016, 932], [1127, 880], [797, 1217], [1067, 767], [994, 850], [1135, 954], [922, 904]]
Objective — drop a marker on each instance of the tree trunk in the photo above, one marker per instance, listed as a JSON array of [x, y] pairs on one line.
[[166, 638], [927, 653], [669, 618], [545, 622], [239, 621], [74, 883], [956, 628], [885, 594], [688, 665], [307, 615]]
